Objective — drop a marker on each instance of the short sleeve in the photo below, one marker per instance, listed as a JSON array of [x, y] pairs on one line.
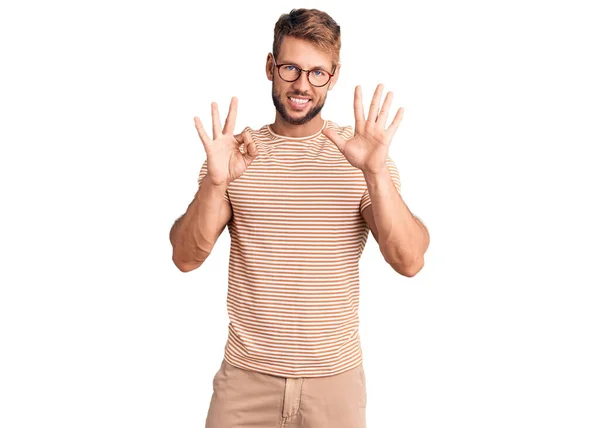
[[366, 199], [203, 172]]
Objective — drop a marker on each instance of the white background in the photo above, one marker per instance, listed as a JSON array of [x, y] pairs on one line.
[[99, 156]]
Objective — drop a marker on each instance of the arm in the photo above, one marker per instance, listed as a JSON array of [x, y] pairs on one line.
[[194, 234], [402, 238]]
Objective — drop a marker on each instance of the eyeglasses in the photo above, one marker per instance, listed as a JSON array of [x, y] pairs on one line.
[[316, 76]]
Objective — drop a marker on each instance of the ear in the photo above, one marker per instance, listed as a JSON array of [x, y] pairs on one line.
[[269, 66], [334, 79]]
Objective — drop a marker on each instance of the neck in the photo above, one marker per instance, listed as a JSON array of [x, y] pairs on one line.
[[286, 129]]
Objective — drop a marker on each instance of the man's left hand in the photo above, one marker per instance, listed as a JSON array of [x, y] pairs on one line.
[[368, 148]]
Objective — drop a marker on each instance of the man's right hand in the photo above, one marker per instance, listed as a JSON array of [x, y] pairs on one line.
[[225, 160]]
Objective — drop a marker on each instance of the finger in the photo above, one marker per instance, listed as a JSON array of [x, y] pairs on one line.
[[374, 109], [395, 123], [239, 138], [335, 138], [216, 121], [202, 133], [385, 109], [231, 115], [359, 113], [250, 149]]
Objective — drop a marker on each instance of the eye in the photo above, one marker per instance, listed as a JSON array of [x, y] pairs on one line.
[[318, 73], [289, 67]]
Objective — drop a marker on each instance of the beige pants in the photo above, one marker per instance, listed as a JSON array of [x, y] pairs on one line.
[[248, 399]]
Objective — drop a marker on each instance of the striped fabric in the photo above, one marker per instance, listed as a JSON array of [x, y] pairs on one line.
[[296, 238]]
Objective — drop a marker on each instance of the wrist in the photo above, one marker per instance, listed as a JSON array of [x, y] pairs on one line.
[[214, 187], [375, 176]]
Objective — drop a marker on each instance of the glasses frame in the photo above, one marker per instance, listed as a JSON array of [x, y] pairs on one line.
[[278, 66]]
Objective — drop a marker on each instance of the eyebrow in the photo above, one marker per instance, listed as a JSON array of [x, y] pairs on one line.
[[320, 67]]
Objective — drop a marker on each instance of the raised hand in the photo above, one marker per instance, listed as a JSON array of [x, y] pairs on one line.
[[225, 160], [369, 147]]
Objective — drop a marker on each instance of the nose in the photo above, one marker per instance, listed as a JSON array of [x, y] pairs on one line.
[[302, 84]]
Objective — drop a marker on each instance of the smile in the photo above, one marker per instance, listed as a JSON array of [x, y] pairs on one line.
[[298, 103]]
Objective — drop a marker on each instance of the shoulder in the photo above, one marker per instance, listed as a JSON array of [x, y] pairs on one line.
[[259, 134], [252, 130], [346, 132]]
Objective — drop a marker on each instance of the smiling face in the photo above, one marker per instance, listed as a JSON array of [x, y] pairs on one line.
[[299, 102]]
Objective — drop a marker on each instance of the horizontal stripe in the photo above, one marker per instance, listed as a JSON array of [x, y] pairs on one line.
[[297, 236]]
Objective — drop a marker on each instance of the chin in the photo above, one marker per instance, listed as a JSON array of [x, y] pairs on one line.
[[294, 116]]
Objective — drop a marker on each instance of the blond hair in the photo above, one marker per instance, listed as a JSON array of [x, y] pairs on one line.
[[311, 25]]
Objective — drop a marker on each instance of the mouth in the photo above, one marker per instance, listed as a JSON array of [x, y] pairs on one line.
[[299, 103]]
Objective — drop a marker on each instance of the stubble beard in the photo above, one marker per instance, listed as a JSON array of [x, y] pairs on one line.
[[280, 107]]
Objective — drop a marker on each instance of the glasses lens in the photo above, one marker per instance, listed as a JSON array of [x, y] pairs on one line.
[[318, 77], [289, 72]]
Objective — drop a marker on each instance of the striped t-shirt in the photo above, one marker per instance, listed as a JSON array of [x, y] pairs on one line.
[[296, 238]]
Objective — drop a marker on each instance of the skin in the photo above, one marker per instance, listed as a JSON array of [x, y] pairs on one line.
[[306, 56], [402, 237]]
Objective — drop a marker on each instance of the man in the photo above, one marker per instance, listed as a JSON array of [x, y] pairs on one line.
[[299, 197]]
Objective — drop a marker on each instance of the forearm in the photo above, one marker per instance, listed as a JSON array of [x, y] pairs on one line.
[[402, 238], [194, 234]]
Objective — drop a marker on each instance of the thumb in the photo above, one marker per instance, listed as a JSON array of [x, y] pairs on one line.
[[335, 138], [239, 138], [251, 151]]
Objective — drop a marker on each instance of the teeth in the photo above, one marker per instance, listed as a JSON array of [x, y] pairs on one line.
[[299, 100]]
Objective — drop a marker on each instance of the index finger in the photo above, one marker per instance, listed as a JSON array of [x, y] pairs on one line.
[[231, 115], [359, 113]]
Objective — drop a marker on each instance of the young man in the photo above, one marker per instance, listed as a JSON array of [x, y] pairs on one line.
[[299, 197]]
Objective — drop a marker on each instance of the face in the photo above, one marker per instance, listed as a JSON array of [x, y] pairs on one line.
[[289, 97]]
